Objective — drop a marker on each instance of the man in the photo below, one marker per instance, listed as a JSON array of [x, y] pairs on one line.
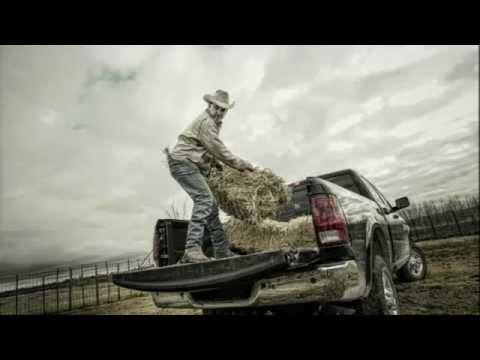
[[198, 149]]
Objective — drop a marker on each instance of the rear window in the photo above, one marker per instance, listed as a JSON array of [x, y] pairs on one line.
[[298, 201], [297, 204], [344, 180]]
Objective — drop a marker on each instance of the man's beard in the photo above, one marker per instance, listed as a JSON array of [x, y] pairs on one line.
[[214, 114], [218, 116]]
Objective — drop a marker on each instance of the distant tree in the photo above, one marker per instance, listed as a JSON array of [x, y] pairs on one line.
[[430, 209], [174, 211]]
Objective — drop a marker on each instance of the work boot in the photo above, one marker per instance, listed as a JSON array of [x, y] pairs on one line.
[[224, 252], [194, 255]]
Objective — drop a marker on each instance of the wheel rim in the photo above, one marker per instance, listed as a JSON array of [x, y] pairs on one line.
[[389, 293], [415, 264]]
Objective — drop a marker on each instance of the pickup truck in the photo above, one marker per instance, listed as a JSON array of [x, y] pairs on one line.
[[360, 243]]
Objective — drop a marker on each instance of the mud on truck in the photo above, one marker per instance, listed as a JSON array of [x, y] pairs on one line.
[[361, 243]]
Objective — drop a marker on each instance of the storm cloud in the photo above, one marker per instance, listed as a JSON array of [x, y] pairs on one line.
[[83, 128]]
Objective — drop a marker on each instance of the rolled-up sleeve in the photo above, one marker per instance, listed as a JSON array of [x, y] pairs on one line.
[[208, 136]]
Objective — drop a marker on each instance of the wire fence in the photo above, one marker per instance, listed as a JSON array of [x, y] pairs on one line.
[[66, 288], [443, 218]]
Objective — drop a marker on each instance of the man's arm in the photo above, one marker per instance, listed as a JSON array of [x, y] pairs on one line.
[[209, 138]]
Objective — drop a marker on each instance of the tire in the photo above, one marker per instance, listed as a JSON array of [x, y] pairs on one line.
[[383, 298], [415, 268]]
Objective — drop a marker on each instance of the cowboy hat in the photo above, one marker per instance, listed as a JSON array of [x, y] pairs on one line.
[[220, 98]]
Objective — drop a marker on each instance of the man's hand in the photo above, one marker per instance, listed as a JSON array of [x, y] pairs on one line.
[[218, 166], [246, 166], [250, 167]]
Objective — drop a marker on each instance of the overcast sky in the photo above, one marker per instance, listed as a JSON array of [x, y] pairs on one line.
[[82, 129]]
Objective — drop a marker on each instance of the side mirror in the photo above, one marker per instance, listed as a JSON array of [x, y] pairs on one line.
[[402, 203]]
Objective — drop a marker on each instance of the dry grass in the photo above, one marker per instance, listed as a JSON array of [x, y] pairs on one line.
[[142, 305], [270, 234], [451, 287], [252, 200], [248, 196]]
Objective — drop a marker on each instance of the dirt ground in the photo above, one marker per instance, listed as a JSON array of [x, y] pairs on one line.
[[451, 286]]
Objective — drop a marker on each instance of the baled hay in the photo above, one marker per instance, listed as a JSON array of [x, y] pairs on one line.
[[271, 234], [248, 196]]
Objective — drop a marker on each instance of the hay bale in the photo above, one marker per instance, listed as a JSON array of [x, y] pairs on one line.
[[252, 199], [248, 196], [270, 234]]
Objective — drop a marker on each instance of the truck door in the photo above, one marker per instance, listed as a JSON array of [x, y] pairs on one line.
[[398, 229]]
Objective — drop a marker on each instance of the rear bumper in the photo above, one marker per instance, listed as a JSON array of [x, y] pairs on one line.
[[339, 281]]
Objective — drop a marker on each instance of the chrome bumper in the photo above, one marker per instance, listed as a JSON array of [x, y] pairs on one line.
[[340, 281]]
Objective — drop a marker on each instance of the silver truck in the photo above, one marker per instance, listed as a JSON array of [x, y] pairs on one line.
[[361, 243]]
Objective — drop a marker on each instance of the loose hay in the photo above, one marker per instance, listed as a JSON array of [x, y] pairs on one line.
[[248, 196], [271, 234], [252, 199]]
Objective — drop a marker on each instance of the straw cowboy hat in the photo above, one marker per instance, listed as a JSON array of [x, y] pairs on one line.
[[220, 98]]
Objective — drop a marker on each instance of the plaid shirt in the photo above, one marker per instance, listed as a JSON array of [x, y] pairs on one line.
[[200, 144]]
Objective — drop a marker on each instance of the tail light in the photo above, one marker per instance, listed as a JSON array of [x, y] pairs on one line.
[[329, 221]]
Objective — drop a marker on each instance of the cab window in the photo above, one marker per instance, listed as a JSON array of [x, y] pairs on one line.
[[376, 196], [344, 180]]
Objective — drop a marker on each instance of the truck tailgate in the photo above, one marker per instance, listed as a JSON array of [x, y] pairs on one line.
[[207, 275]]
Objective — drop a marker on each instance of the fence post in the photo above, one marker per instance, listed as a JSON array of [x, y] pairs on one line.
[[27, 303], [118, 287], [96, 285], [83, 285], [128, 268], [139, 266], [415, 229], [16, 294], [456, 222], [70, 290], [58, 289], [108, 282], [431, 225], [43, 293], [474, 225]]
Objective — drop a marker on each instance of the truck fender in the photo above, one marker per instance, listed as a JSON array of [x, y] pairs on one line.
[[375, 238]]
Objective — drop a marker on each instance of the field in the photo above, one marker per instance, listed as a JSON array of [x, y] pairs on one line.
[[451, 286], [82, 293]]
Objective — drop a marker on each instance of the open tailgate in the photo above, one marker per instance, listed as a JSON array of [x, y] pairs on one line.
[[206, 275]]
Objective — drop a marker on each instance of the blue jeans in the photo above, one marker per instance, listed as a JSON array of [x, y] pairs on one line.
[[205, 224]]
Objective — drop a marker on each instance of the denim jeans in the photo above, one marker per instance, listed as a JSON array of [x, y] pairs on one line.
[[205, 224]]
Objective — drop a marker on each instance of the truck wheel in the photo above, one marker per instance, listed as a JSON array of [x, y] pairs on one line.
[[415, 268], [383, 298]]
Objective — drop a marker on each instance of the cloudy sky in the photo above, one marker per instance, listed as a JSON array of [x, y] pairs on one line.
[[82, 128]]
